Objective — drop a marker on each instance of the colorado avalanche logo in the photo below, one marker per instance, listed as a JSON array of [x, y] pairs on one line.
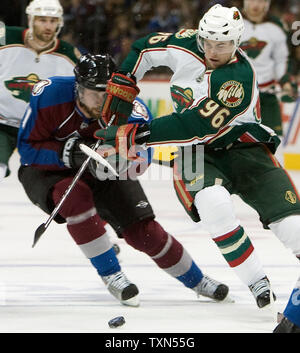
[[139, 111], [38, 88]]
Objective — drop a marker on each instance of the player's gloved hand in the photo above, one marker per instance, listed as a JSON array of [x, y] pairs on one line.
[[289, 92], [125, 138], [71, 154], [121, 91], [119, 164]]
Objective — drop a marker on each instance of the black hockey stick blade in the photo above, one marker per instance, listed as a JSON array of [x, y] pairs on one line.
[[38, 233]]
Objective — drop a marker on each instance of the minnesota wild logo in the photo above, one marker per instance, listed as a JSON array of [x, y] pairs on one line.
[[182, 97], [236, 15], [231, 93], [290, 197], [21, 86], [253, 47]]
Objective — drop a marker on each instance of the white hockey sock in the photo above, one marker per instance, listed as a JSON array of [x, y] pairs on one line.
[[287, 231], [216, 211], [3, 169]]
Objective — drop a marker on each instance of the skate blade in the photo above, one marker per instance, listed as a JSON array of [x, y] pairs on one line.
[[228, 299], [134, 301], [271, 309]]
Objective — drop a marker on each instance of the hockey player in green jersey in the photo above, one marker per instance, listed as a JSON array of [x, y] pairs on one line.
[[216, 98], [27, 56], [265, 42]]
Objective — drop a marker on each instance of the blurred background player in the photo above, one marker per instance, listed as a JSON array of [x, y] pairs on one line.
[[64, 112], [27, 56], [265, 40]]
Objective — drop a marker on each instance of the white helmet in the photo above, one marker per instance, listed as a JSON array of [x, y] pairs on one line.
[[221, 24], [49, 8]]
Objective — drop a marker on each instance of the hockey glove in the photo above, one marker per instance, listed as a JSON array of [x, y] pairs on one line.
[[125, 138], [71, 154], [121, 91], [119, 164]]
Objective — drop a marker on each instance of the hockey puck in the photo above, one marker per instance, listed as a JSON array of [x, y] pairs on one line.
[[116, 322]]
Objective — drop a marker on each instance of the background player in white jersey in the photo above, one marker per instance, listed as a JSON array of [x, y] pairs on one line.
[[265, 40], [27, 56], [216, 98]]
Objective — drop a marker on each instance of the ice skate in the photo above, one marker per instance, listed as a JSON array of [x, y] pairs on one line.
[[261, 291], [286, 326], [211, 288], [122, 289]]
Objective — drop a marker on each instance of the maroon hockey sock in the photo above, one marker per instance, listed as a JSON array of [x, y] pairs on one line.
[[83, 221], [149, 237]]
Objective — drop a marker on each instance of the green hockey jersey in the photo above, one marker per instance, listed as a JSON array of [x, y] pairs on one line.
[[212, 107], [22, 68]]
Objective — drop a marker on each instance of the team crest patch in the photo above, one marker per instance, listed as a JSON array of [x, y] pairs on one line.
[[231, 94], [185, 33], [21, 86], [139, 111], [290, 197], [236, 15], [253, 47], [38, 88], [182, 97]]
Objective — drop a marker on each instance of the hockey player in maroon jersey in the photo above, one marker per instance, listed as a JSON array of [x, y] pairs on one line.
[[64, 112]]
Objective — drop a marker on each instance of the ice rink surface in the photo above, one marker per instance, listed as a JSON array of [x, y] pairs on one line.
[[54, 289]]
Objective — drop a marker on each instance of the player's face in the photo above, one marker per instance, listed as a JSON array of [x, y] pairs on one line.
[[44, 28], [90, 102], [217, 53], [255, 8]]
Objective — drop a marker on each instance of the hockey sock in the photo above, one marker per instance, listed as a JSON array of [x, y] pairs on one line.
[[217, 214], [149, 237], [292, 309], [86, 227], [3, 170], [238, 251]]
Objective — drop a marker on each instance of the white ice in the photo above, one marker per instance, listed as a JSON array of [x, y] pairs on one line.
[[53, 287]]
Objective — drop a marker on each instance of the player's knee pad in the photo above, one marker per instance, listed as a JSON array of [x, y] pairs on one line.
[[288, 232], [216, 210], [147, 236], [80, 200]]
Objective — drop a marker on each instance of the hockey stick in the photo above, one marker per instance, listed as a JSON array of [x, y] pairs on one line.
[[96, 156], [291, 123], [42, 228]]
